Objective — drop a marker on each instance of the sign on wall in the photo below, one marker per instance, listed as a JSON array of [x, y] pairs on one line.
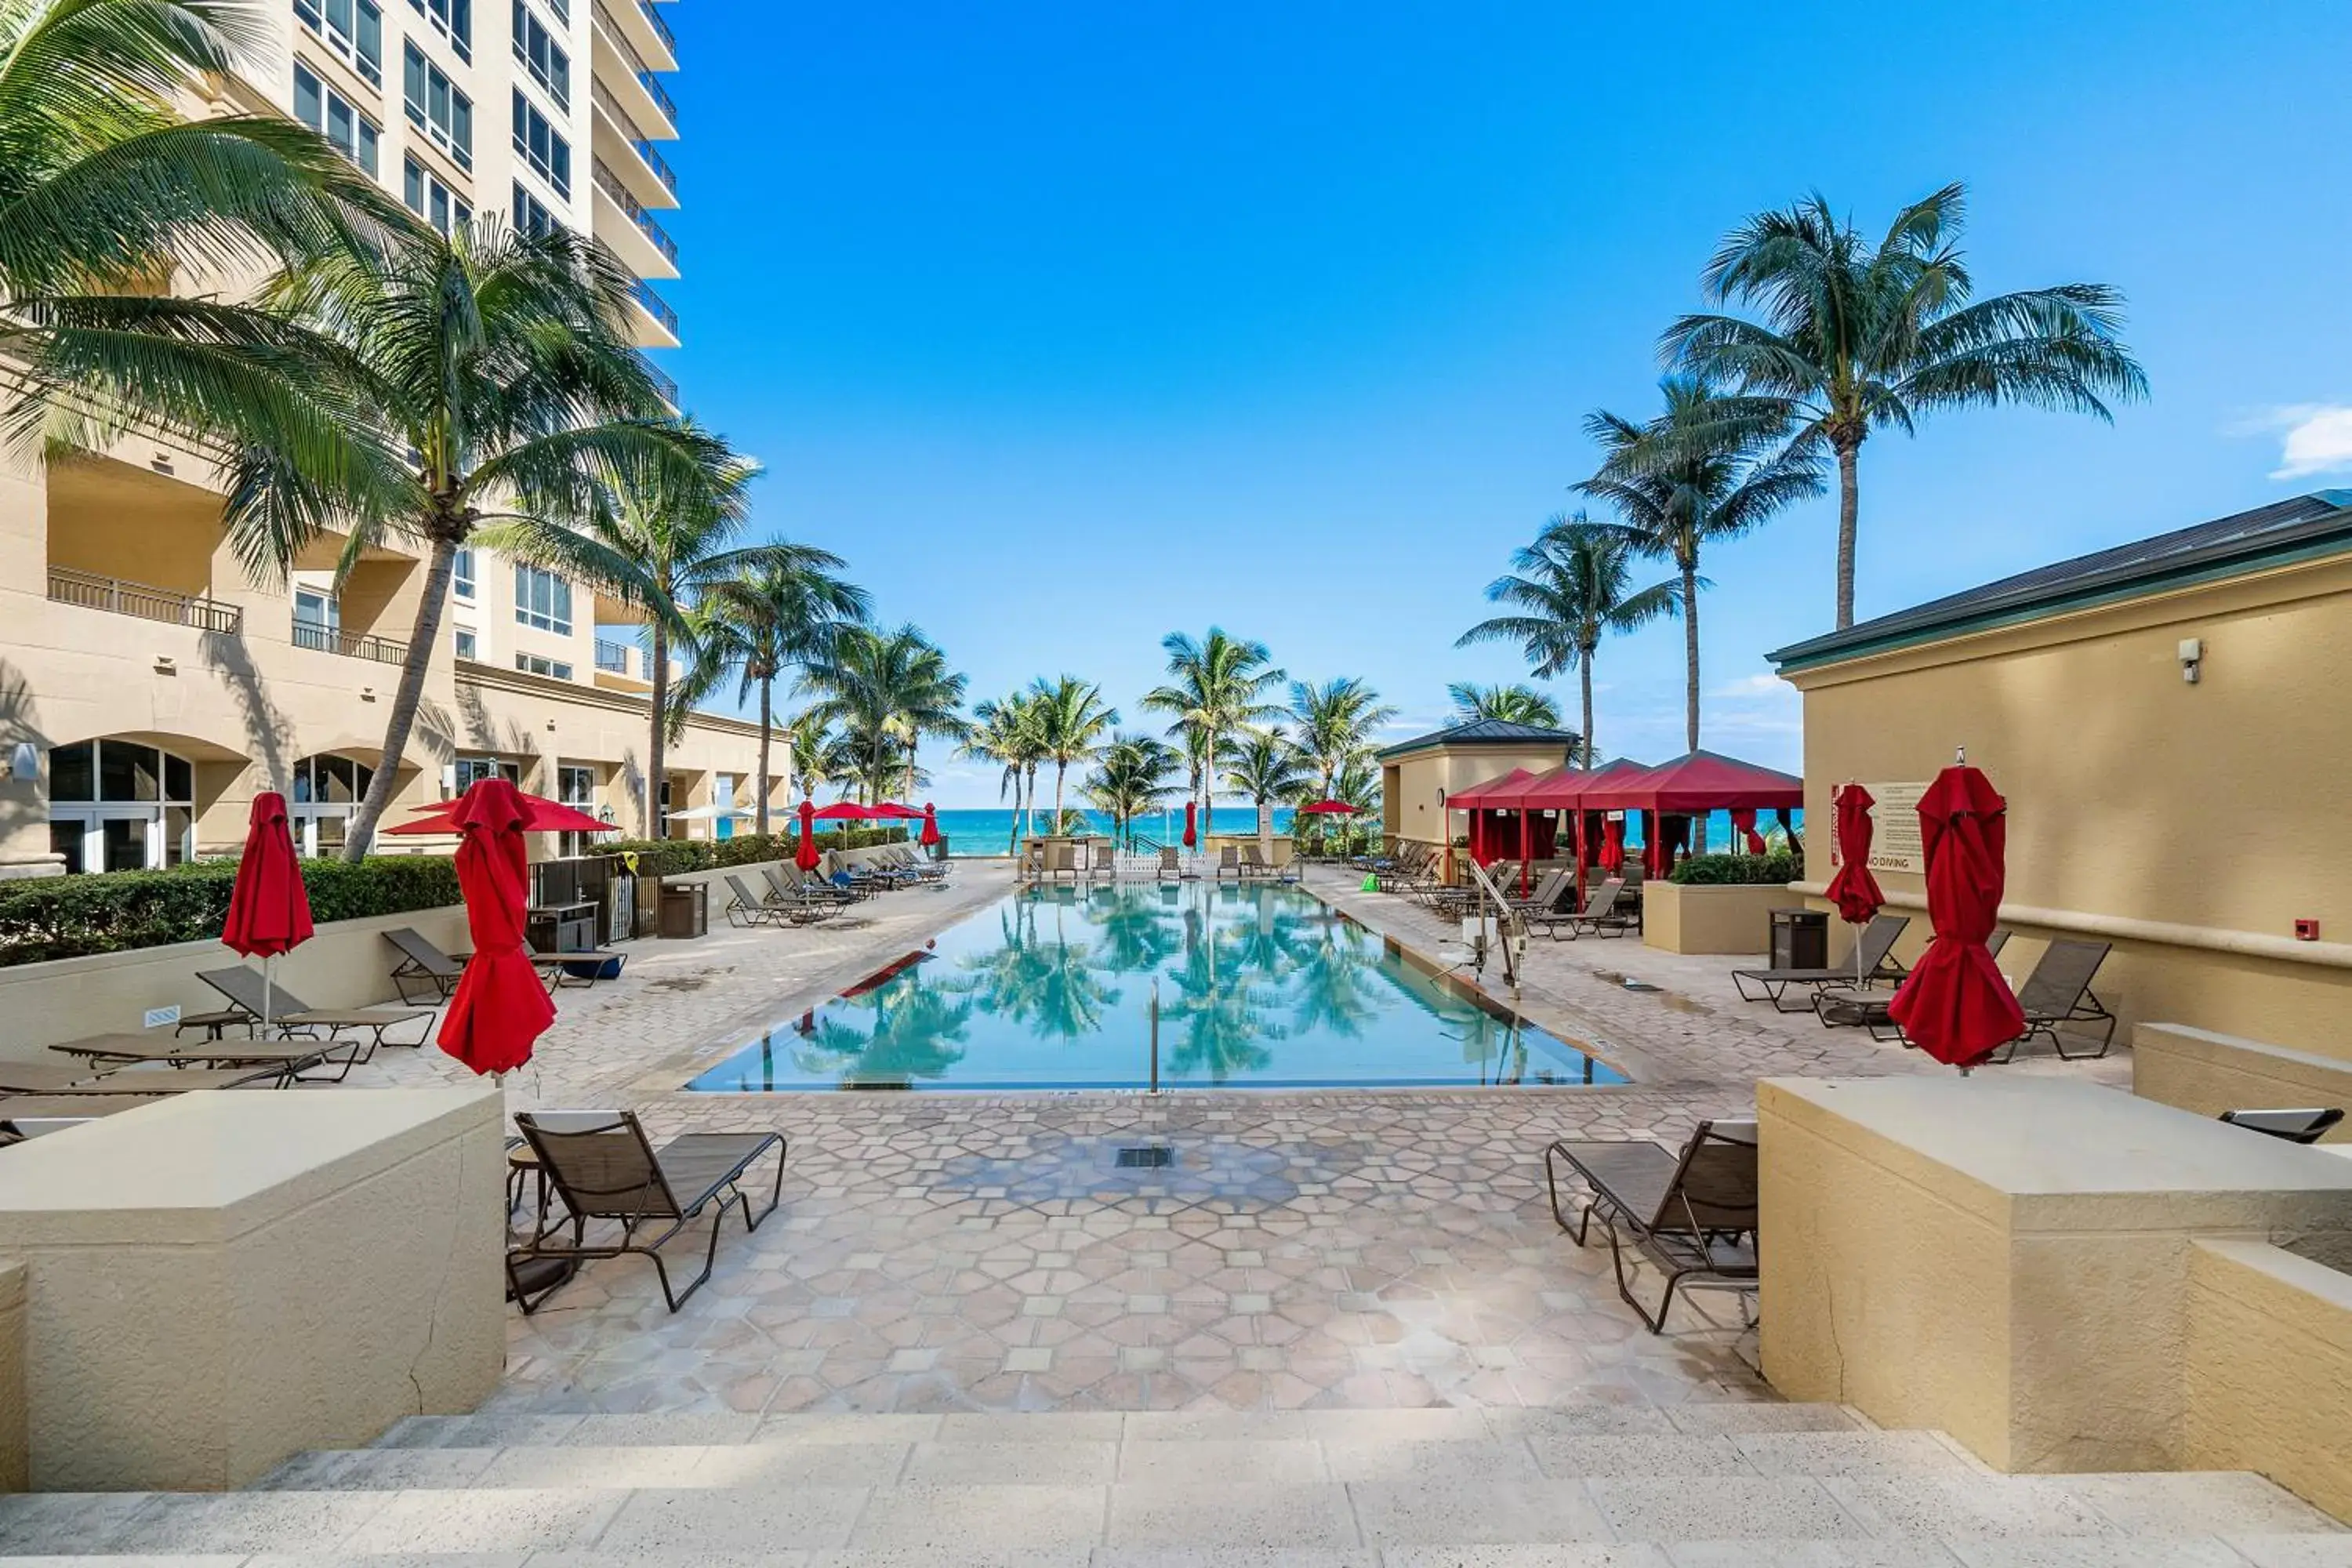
[[1894, 841]]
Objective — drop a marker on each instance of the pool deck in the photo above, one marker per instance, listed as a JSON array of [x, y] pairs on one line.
[[979, 1252]]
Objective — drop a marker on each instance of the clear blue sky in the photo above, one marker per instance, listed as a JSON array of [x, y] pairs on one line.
[[1073, 324]]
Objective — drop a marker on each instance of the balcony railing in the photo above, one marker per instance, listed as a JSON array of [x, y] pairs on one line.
[[610, 184], [127, 598], [350, 645], [652, 84], [664, 382], [656, 307], [661, 28], [662, 172], [603, 100], [619, 38], [613, 656]]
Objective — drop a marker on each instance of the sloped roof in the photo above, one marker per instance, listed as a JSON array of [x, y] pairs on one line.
[[2319, 523], [1494, 793], [1699, 781], [1481, 733]]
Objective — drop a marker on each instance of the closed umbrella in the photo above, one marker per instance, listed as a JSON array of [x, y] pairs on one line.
[[1743, 823], [269, 907], [1955, 1005], [1613, 847], [1853, 889], [499, 1008], [1192, 817], [804, 857], [930, 835]]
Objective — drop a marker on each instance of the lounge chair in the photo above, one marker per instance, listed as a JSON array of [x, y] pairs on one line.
[[1600, 916], [248, 991], [1105, 861], [804, 902], [2305, 1126], [603, 1168], [424, 966], [1874, 964], [250, 1061], [1253, 865], [2058, 992], [1546, 898], [1172, 865], [1693, 1214], [1229, 858]]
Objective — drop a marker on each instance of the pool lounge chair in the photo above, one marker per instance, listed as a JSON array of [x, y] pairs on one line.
[[246, 991], [1172, 865], [424, 968], [1692, 1214], [1600, 916], [2058, 992], [249, 1061], [1229, 858], [1253, 865], [602, 1166], [807, 901], [2305, 1126], [1875, 963], [746, 908], [1547, 895], [1105, 860]]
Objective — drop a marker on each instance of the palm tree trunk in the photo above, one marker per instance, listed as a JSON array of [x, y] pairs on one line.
[[1849, 522], [423, 637], [657, 754], [767, 717], [1060, 768], [1584, 680], [1690, 654]]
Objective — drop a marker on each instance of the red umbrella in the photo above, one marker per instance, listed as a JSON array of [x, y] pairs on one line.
[[805, 856], [844, 811], [269, 907], [1853, 889], [891, 811], [1743, 822], [499, 1008], [1192, 837], [539, 814], [930, 834], [1613, 847], [1955, 1005], [1327, 808]]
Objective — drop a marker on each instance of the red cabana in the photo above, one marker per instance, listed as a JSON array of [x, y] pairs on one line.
[[1695, 784], [499, 1008], [1485, 803], [805, 854], [1954, 1005]]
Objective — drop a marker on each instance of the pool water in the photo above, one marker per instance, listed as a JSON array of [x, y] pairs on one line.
[[1256, 987]]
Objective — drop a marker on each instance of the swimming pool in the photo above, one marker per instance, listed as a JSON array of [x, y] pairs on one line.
[[1260, 986]]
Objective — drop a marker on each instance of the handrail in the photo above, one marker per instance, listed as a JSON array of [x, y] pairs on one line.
[[122, 597], [668, 38], [664, 382], [310, 634], [613, 656], [656, 305], [644, 72], [611, 184]]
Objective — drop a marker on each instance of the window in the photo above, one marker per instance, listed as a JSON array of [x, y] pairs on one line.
[[317, 620], [437, 107], [468, 646], [575, 787], [453, 19], [536, 48], [472, 771], [540, 147], [119, 807], [462, 572], [329, 113], [353, 28], [535, 664], [531, 214], [434, 202], [542, 599]]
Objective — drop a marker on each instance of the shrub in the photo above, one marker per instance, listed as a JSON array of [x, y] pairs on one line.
[[1737, 870], [68, 917], [676, 857]]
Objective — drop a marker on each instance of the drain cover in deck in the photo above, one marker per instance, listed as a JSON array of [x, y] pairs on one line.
[[1145, 1157]]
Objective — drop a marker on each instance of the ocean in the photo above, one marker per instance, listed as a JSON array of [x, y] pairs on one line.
[[989, 832]]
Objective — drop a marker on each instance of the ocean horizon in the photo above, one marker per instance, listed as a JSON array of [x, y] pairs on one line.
[[983, 831]]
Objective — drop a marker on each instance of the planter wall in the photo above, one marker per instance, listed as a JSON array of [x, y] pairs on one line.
[[1701, 919]]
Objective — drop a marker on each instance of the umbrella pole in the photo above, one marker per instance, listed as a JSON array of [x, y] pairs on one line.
[[268, 989]]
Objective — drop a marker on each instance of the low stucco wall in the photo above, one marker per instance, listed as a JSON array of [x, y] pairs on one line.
[[1696, 919], [12, 1458], [2007, 1259], [2269, 1369], [2208, 1073], [220, 1280], [346, 964]]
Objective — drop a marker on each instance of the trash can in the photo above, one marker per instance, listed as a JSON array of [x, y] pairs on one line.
[[1800, 938], [685, 910]]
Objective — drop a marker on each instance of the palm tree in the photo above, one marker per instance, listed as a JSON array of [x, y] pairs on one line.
[[108, 193], [888, 689], [1071, 719], [1510, 704], [781, 615], [1567, 590], [1858, 335], [1218, 688], [1003, 733], [816, 755], [1336, 722], [1268, 768], [661, 548], [473, 380], [1132, 780], [1709, 467]]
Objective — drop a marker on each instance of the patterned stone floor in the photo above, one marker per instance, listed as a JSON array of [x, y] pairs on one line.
[[944, 1252]]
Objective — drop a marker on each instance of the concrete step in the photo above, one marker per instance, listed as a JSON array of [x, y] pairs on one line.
[[2080, 1520]]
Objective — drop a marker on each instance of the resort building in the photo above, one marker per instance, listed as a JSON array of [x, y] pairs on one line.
[[2163, 719], [149, 687], [1420, 776]]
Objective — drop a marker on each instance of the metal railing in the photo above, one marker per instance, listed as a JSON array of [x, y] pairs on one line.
[[602, 97], [613, 656], [122, 597], [350, 645], [662, 172], [661, 28], [664, 382], [619, 38], [656, 305], [652, 84], [611, 184]]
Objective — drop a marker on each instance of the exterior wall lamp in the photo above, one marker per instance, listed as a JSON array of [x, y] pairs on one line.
[[2192, 657]]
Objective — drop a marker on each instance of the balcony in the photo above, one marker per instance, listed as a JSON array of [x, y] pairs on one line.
[[613, 656], [634, 80], [664, 382], [659, 329], [646, 33], [640, 241], [621, 144], [122, 597], [350, 645]]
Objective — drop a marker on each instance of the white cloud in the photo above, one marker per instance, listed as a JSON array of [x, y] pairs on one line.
[[2314, 437], [1763, 685]]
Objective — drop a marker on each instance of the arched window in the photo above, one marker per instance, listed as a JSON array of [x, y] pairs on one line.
[[119, 805], [321, 798]]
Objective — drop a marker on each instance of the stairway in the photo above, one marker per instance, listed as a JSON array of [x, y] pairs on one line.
[[1702, 1486]]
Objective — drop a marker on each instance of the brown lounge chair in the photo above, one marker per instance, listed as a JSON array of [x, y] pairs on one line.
[[1874, 964], [255, 1059], [804, 903], [2059, 993], [1601, 916], [247, 990], [1692, 1214], [2294, 1126], [603, 1168], [423, 966]]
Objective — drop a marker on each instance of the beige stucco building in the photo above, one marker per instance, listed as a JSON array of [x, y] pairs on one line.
[[2166, 720], [149, 687], [1419, 776]]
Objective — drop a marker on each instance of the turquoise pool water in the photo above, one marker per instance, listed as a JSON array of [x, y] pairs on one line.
[[1261, 987]]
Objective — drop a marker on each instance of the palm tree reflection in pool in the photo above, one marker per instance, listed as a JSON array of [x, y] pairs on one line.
[[917, 1032], [1053, 986]]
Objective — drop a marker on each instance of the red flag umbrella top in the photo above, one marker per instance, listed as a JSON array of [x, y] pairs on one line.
[[1327, 808], [1955, 1005], [805, 854], [930, 834], [539, 814], [844, 811], [891, 811], [1192, 817], [499, 1008], [269, 908], [1853, 889]]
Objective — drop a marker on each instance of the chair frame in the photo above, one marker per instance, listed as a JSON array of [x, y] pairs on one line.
[[2317, 1121], [1673, 1237], [2083, 1008], [1776, 983]]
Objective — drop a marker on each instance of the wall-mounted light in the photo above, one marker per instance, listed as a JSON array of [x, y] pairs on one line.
[[164, 665], [2192, 659], [551, 724], [25, 762], [367, 693]]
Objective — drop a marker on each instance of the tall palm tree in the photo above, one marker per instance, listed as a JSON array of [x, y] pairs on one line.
[[779, 616], [1071, 719], [1218, 688], [1708, 469], [1336, 722], [1004, 732], [888, 689], [478, 379], [1131, 781], [660, 548], [1567, 590], [109, 193], [816, 755], [1510, 704], [1858, 335], [1268, 768]]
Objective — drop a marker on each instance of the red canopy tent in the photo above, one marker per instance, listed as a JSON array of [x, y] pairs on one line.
[[1691, 785], [1485, 802]]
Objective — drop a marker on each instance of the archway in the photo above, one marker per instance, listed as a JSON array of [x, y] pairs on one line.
[[118, 805]]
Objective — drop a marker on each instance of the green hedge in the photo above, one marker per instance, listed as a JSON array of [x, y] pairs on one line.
[[1737, 870], [68, 917], [676, 857]]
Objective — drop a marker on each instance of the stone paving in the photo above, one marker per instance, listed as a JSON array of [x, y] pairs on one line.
[[945, 1252]]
